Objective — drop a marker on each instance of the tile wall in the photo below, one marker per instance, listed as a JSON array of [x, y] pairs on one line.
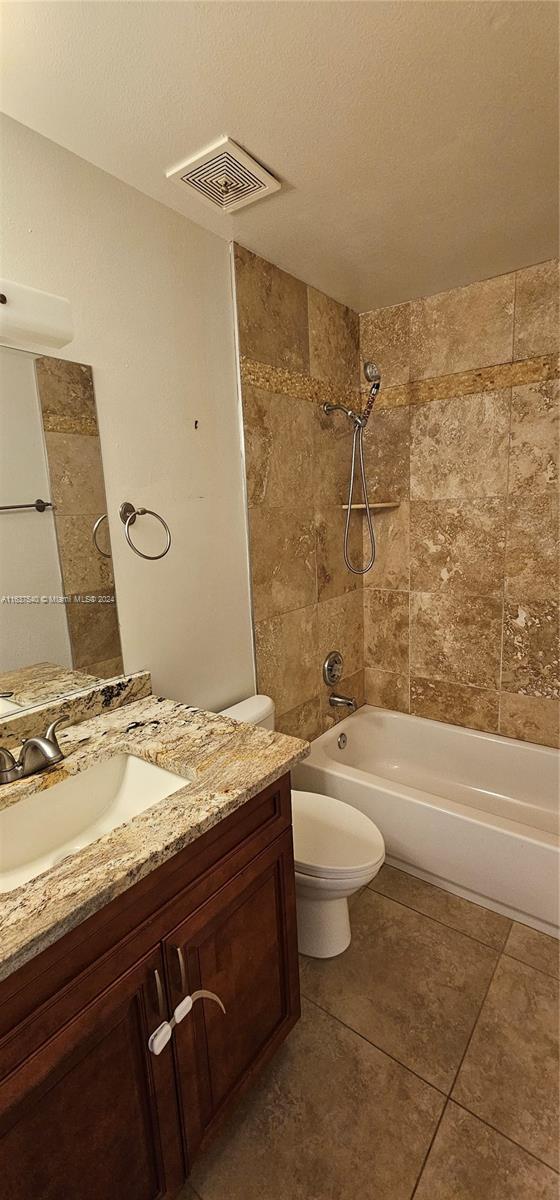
[[298, 348], [73, 451], [458, 620], [461, 612]]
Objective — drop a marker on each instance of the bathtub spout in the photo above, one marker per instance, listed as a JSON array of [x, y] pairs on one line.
[[343, 702]]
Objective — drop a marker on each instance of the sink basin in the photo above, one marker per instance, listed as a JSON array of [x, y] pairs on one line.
[[8, 706], [38, 832]]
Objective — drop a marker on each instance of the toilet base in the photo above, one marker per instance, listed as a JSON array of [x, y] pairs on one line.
[[323, 926]]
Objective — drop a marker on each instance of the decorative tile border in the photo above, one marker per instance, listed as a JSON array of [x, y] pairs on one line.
[[487, 379]]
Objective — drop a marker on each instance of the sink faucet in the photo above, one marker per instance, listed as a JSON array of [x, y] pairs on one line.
[[36, 754], [343, 702]]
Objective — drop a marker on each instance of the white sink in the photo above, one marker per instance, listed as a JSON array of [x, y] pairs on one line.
[[8, 706], [38, 832]]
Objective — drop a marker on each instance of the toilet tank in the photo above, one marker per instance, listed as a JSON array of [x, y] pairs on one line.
[[255, 710]]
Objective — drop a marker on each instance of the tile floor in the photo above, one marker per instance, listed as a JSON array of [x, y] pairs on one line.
[[425, 1065]]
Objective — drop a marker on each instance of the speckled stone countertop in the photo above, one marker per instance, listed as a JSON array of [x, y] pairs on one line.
[[224, 764]]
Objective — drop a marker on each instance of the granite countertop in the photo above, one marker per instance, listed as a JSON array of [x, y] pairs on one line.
[[224, 764]]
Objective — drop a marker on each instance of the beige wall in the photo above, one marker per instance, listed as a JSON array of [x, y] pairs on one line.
[[152, 307], [298, 348], [458, 620], [461, 610]]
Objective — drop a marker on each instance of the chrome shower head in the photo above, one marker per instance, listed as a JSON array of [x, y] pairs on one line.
[[373, 376]]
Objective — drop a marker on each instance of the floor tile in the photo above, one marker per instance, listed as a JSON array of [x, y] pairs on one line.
[[510, 1074], [331, 1118], [469, 1161], [537, 949], [480, 923], [410, 985]]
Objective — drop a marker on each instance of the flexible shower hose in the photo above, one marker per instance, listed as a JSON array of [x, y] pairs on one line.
[[358, 441]]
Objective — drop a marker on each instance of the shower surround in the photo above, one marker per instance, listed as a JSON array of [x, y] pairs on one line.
[[458, 620]]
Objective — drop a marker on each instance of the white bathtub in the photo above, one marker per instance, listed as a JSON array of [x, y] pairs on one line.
[[474, 813]]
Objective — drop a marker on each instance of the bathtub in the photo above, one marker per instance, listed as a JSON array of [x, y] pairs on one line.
[[474, 813]]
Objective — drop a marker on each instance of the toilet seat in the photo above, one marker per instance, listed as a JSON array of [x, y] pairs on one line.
[[333, 840]]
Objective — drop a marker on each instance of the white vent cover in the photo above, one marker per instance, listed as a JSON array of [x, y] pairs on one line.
[[225, 176]]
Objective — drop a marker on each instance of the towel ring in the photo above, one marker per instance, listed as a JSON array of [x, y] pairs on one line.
[[99, 521], [128, 514]]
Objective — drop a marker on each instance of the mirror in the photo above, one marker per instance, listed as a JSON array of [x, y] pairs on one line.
[[59, 629]]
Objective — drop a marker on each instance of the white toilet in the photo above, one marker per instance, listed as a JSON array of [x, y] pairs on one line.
[[337, 850]]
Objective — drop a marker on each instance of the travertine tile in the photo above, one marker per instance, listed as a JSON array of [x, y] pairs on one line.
[[76, 473], [480, 923], [341, 627], [352, 686], [391, 568], [333, 339], [459, 447], [107, 669], [454, 639], [464, 383], [283, 562], [66, 396], [509, 1077], [333, 576], [408, 984], [287, 659], [386, 630], [469, 1161], [387, 454], [461, 329], [303, 722], [384, 340], [532, 555], [530, 658], [271, 313], [332, 450], [331, 1118], [84, 569], [93, 629], [457, 546], [535, 437], [530, 718], [456, 703], [386, 690], [534, 948], [537, 313], [278, 449]]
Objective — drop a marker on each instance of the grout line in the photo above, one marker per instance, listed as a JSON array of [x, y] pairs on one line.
[[494, 1128], [504, 559], [497, 949], [477, 1019], [429, 1150], [540, 970], [375, 1046]]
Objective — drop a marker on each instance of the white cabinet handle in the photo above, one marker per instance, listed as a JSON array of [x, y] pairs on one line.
[[158, 1040]]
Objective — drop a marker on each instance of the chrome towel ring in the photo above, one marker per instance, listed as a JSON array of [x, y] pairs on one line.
[[128, 514], [99, 521]]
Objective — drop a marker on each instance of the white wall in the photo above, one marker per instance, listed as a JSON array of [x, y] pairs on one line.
[[29, 564], [152, 308]]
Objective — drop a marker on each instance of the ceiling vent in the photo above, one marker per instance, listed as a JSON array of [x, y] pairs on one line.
[[225, 176]]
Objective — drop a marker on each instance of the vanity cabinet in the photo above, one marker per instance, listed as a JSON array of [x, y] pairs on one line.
[[87, 1110]]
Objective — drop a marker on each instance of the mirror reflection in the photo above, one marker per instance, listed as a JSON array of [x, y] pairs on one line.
[[59, 627]]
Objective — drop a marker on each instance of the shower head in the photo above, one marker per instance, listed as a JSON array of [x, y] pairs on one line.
[[371, 372]]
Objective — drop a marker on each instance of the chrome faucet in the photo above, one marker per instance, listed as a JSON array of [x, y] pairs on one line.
[[343, 702], [36, 754]]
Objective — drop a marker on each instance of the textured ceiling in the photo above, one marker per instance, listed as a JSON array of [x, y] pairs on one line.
[[417, 141]]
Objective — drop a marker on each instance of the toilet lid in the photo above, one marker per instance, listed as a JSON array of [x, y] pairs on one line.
[[333, 839]]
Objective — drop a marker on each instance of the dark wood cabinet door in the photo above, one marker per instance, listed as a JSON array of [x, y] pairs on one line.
[[242, 946], [92, 1114]]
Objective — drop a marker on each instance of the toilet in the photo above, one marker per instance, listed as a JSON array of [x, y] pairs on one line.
[[337, 851]]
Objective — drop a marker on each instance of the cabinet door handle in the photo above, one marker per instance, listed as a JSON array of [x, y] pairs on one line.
[[160, 997], [182, 970]]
